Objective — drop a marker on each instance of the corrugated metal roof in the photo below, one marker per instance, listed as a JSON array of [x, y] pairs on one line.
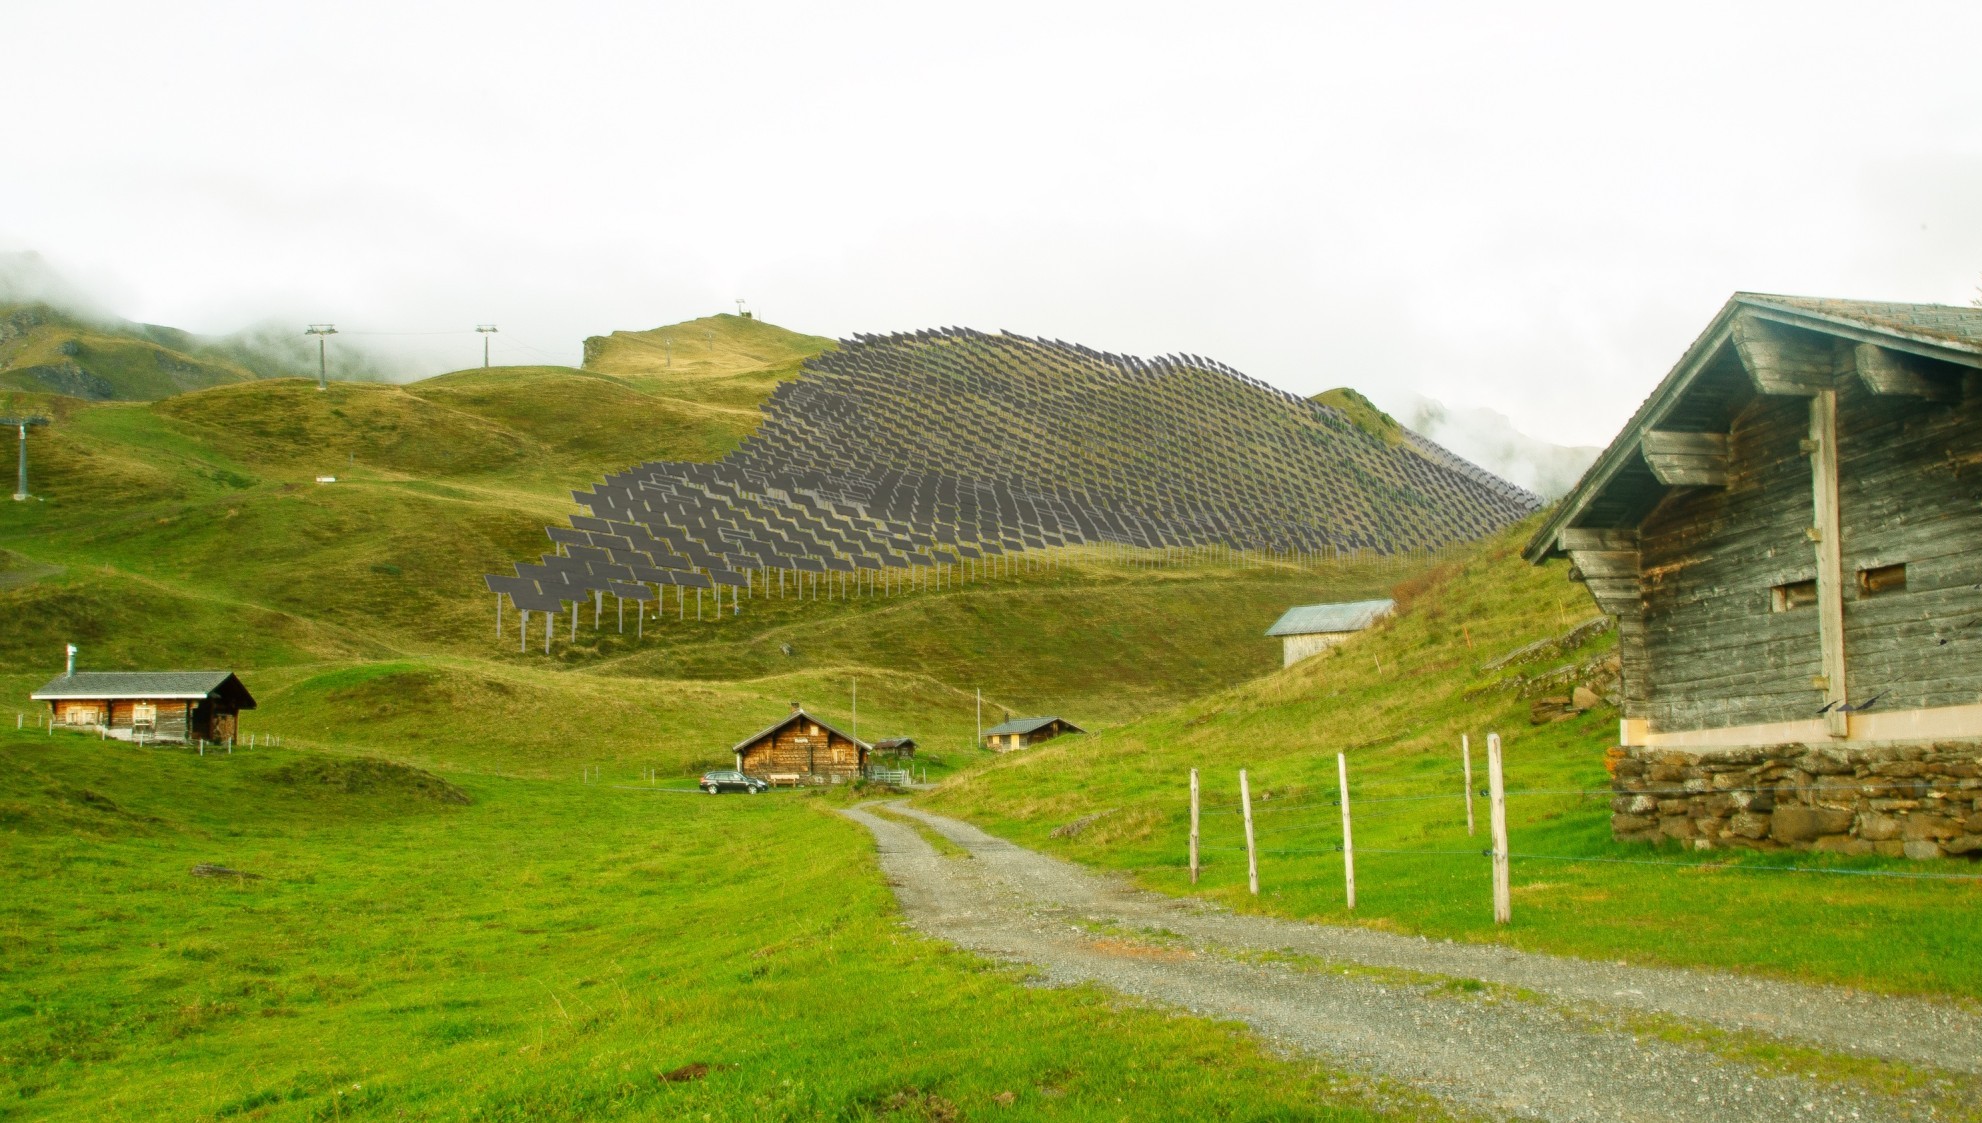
[[134, 684], [1352, 616], [1030, 724]]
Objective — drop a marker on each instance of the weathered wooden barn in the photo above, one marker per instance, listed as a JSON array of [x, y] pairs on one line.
[[901, 748], [800, 748], [176, 706], [1310, 629], [1025, 732], [1787, 532]]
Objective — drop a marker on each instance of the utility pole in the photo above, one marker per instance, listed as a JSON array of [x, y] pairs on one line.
[[486, 330], [322, 331], [739, 305], [668, 343], [23, 424]]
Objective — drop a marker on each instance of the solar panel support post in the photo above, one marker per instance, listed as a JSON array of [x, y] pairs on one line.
[[574, 619], [523, 630], [498, 615]]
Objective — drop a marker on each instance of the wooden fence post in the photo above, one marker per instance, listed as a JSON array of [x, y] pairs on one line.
[[1252, 855], [1466, 759], [1503, 904], [1348, 843], [1193, 826]]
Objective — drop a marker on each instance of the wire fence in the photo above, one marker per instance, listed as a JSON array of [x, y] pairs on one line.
[[1499, 853]]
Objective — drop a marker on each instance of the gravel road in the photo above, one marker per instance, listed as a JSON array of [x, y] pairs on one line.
[[1371, 1008]]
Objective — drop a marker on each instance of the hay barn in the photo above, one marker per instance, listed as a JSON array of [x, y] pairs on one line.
[[1310, 629], [175, 706], [1786, 535], [1025, 732], [800, 748]]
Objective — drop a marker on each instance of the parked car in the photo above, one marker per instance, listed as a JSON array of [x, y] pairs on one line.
[[730, 780]]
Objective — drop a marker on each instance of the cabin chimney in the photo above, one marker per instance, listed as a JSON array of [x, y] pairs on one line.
[[71, 672], [795, 707]]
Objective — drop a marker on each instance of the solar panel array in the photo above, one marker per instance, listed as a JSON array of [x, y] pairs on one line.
[[903, 452]]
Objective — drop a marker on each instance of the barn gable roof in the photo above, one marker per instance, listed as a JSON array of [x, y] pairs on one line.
[[796, 715], [1032, 724], [164, 685], [1350, 616], [1694, 398]]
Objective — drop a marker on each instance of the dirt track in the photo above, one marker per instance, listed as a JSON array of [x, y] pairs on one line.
[[1409, 1009]]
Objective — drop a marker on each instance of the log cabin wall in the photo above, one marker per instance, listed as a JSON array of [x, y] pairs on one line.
[[1730, 640], [803, 747]]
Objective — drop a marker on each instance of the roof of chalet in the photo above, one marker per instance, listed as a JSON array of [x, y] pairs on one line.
[[174, 685], [1349, 616], [1031, 724], [889, 744], [796, 715], [1701, 393]]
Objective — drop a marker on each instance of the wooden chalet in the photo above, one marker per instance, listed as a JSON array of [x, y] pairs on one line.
[[176, 706], [1025, 732], [1786, 533], [800, 748]]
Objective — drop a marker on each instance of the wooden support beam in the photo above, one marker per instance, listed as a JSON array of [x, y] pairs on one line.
[[1830, 556], [1571, 539], [1686, 459], [1897, 373], [1782, 360]]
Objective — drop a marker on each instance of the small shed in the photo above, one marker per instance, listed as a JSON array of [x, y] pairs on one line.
[[178, 706], [800, 748], [900, 747], [1025, 732], [1311, 629]]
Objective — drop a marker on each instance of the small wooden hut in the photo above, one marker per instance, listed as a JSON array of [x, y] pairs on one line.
[[1025, 732], [800, 748], [1311, 629], [176, 706], [901, 748]]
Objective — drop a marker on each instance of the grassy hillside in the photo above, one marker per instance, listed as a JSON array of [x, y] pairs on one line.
[[45, 350], [722, 360], [385, 950], [1396, 701]]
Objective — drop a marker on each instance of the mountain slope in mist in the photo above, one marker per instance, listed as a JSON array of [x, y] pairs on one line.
[[1488, 438]]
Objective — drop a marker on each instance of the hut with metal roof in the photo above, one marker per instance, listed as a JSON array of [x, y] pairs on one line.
[[1311, 629], [802, 749], [1786, 534], [175, 706], [1025, 732], [901, 748]]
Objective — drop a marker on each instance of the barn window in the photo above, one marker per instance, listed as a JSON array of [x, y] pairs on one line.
[[144, 713], [1795, 594], [1882, 579]]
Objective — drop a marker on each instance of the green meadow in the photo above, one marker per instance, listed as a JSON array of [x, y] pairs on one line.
[[1395, 702], [550, 950]]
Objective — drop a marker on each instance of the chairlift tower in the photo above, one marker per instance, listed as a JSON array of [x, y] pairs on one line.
[[322, 332], [23, 424], [486, 330]]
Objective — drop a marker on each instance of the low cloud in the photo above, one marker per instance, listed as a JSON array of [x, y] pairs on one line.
[[1489, 439]]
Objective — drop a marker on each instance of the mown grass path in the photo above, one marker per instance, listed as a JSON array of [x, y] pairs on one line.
[[1485, 1028]]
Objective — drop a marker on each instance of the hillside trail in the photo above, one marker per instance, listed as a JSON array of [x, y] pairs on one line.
[[1488, 1030]]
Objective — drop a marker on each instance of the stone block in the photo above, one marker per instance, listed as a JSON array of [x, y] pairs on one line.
[[1642, 804], [1672, 807], [1974, 824], [1928, 826], [1761, 802], [1900, 768], [1747, 824], [1801, 824], [1628, 769], [1920, 849], [1696, 784], [1893, 848], [1842, 844], [1965, 844], [1718, 805], [1621, 825], [1876, 827], [1825, 762], [1677, 827], [1665, 774], [1709, 826]]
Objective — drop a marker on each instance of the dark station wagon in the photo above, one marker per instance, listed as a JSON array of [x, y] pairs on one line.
[[730, 780]]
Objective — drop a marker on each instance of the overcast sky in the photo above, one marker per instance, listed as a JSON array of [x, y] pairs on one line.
[[1532, 208]]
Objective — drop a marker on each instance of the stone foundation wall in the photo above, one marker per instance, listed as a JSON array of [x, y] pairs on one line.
[[1917, 801]]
